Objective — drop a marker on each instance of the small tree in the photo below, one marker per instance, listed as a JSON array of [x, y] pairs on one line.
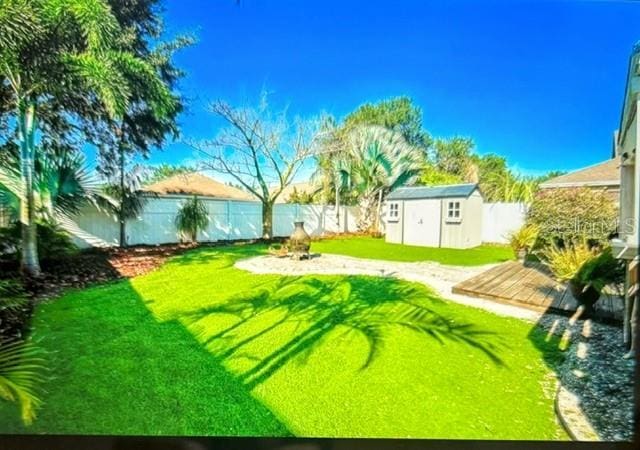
[[260, 150], [192, 218]]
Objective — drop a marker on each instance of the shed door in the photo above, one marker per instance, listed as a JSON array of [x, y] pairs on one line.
[[422, 223]]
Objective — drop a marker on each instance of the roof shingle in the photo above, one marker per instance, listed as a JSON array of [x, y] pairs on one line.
[[197, 184], [606, 173], [425, 192]]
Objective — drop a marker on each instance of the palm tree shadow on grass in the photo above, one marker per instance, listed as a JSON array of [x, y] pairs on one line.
[[312, 308]]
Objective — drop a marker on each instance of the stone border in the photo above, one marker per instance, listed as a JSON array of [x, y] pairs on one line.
[[573, 420]]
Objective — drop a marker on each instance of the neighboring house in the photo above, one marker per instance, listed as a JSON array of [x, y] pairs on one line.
[[197, 184], [435, 216], [604, 176], [626, 144]]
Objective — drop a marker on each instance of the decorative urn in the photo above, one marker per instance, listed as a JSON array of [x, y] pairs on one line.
[[299, 242]]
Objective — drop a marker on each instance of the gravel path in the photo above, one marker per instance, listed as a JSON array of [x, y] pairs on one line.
[[593, 371], [437, 276]]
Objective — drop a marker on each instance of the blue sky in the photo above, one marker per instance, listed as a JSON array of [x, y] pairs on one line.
[[540, 83]]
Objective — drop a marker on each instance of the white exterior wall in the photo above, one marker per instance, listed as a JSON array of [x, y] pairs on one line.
[[468, 232], [394, 228], [501, 219]]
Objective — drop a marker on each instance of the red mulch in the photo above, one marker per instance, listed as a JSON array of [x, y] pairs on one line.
[[99, 266]]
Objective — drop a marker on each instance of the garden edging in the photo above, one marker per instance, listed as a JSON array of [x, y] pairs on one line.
[[571, 417]]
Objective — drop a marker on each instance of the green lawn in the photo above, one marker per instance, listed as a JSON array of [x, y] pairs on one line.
[[374, 248], [199, 347]]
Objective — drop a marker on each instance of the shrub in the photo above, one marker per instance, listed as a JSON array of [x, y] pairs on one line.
[[524, 238], [191, 218], [15, 310], [587, 269], [566, 216], [53, 241]]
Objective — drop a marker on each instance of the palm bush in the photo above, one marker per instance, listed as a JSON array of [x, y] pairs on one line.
[[53, 241], [22, 370], [523, 240], [587, 269], [381, 161], [192, 218]]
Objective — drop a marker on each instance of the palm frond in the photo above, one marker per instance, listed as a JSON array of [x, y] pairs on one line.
[[18, 23], [95, 19], [22, 369], [100, 75]]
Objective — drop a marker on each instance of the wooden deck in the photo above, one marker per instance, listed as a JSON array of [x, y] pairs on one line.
[[531, 286]]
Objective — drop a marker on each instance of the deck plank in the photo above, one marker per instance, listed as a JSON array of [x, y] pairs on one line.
[[530, 286]]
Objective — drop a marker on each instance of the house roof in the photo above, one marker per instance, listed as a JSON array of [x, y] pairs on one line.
[[425, 192], [197, 184], [606, 173]]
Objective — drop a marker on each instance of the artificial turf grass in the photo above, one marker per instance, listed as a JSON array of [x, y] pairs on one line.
[[120, 369], [378, 248]]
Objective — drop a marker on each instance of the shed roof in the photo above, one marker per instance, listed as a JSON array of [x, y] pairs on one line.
[[425, 192], [197, 184], [606, 173]]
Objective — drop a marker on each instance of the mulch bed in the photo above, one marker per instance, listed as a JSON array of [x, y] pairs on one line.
[[100, 266], [103, 265]]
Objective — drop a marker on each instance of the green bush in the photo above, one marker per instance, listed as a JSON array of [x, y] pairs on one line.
[[567, 216], [588, 270], [15, 310], [53, 242]]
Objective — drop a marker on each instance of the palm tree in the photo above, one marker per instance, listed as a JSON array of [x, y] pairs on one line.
[[381, 161], [56, 56], [192, 218]]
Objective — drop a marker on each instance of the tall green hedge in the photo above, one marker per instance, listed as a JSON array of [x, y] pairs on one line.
[[571, 214]]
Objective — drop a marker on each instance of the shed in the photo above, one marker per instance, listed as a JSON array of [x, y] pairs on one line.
[[435, 216]]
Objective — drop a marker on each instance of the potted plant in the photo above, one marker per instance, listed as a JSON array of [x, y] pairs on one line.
[[587, 270], [523, 240]]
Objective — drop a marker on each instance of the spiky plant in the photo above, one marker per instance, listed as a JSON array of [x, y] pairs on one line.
[[381, 161], [192, 218]]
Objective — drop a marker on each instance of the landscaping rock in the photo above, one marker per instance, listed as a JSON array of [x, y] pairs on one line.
[[595, 372]]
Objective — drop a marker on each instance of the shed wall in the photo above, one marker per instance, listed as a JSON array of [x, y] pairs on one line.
[[468, 232]]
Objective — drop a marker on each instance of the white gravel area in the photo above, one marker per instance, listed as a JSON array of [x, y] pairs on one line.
[[437, 276]]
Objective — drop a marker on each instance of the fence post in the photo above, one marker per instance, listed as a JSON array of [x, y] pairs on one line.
[[229, 220]]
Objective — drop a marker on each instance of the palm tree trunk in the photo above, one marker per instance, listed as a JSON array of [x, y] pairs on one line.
[[30, 265], [338, 206], [121, 213], [378, 209]]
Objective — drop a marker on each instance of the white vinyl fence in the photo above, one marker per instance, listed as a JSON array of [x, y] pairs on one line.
[[501, 219], [228, 220]]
